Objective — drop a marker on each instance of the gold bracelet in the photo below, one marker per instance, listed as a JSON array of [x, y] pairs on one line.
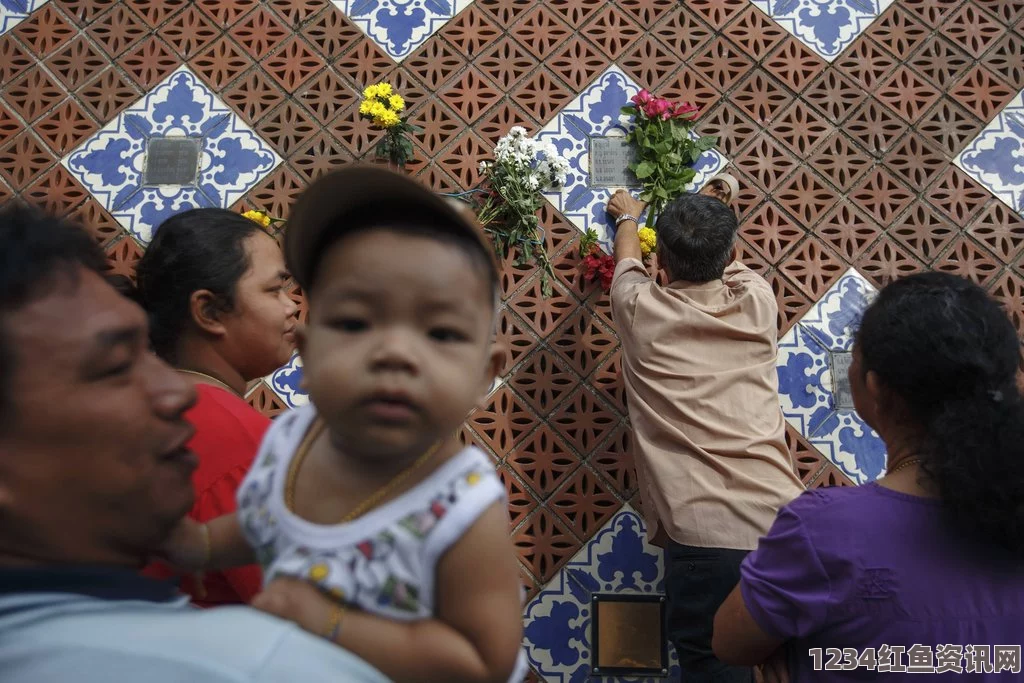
[[204, 531], [334, 625]]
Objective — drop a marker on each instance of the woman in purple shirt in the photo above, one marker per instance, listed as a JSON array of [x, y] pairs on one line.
[[923, 570]]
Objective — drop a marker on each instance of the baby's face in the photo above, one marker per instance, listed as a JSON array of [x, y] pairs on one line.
[[398, 348]]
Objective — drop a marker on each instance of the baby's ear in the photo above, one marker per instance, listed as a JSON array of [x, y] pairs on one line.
[[495, 368]]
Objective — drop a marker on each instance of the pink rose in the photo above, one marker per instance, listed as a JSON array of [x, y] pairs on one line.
[[684, 109], [642, 98], [658, 107]]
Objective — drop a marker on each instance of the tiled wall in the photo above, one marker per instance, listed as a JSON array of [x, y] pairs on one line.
[[872, 138]]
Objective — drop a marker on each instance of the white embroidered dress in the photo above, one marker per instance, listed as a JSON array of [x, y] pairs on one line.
[[384, 561]]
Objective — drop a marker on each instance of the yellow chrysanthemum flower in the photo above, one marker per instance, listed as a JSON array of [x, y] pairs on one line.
[[370, 92], [648, 240], [364, 106], [384, 89], [258, 216], [387, 119], [376, 109], [396, 102]]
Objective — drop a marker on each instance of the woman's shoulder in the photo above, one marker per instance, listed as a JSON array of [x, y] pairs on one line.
[[850, 507], [221, 413]]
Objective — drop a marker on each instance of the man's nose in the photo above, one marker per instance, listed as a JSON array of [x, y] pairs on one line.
[[170, 392]]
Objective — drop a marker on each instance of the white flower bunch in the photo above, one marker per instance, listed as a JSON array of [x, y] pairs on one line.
[[536, 163], [523, 168]]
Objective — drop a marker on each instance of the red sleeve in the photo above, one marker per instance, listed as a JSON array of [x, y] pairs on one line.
[[220, 499], [228, 436]]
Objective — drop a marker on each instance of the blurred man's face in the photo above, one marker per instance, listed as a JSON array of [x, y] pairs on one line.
[[92, 464]]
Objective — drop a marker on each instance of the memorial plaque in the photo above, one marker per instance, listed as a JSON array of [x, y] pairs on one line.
[[610, 157], [841, 362], [629, 635], [172, 161]]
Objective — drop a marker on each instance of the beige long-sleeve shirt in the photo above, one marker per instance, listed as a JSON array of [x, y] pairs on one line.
[[709, 434]]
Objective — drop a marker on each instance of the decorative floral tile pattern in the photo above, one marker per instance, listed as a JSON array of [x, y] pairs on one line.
[[812, 362], [401, 27], [112, 163], [826, 26], [994, 157], [14, 11], [285, 382], [596, 113], [557, 625]]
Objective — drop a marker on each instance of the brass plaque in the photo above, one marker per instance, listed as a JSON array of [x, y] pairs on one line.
[[610, 157], [629, 635], [172, 161]]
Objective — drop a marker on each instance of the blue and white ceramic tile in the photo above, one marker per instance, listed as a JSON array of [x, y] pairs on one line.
[[846, 440], [285, 382], [805, 380], [808, 362], [596, 112], [557, 624], [994, 158], [13, 12], [111, 163], [826, 26], [401, 27]]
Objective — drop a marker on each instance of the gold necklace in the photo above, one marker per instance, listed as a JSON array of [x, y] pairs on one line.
[[209, 377], [908, 463], [373, 500]]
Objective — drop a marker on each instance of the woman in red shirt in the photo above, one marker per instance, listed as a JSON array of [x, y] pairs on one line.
[[213, 284]]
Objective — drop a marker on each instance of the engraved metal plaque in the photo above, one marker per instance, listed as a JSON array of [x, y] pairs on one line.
[[610, 157], [172, 161], [841, 362], [629, 636]]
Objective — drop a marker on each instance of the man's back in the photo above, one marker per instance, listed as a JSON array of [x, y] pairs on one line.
[[83, 627], [699, 368]]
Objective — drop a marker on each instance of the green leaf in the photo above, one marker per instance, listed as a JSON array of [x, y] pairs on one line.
[[706, 142], [628, 110], [644, 169]]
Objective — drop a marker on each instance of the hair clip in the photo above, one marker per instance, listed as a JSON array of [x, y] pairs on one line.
[[995, 395]]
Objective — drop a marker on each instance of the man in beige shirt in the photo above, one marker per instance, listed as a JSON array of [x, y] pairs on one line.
[[709, 434]]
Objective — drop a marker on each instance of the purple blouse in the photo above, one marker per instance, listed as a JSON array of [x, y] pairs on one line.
[[865, 580]]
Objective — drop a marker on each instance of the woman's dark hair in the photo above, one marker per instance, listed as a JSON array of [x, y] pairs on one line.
[[193, 250], [951, 356]]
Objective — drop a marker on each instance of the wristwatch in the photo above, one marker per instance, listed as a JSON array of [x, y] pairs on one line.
[[626, 217]]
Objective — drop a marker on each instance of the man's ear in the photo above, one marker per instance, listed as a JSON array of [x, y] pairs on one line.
[[203, 309]]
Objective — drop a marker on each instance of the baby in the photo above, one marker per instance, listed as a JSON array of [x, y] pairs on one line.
[[374, 525]]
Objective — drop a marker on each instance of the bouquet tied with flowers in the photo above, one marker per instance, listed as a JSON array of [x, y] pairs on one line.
[[665, 148], [599, 266], [522, 170], [384, 107]]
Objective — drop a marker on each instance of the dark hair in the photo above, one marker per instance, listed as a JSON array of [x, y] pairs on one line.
[[35, 247], [951, 355], [695, 237], [399, 219], [193, 250]]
